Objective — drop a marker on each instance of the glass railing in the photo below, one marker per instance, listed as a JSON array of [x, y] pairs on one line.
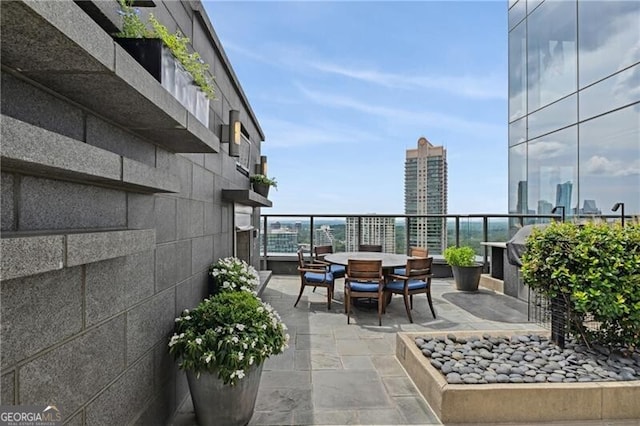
[[283, 234]]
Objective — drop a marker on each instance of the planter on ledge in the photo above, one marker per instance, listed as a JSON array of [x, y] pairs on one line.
[[261, 188], [158, 60]]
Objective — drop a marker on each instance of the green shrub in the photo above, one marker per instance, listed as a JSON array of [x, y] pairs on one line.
[[595, 269], [460, 256]]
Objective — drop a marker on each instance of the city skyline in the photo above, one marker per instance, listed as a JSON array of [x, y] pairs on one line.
[[342, 89]]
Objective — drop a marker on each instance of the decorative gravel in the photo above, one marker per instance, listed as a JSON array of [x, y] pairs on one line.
[[527, 358]]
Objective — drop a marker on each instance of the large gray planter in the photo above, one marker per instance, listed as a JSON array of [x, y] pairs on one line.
[[217, 404], [261, 188], [467, 278]]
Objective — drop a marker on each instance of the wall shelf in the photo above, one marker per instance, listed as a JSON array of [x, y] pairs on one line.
[[60, 47], [25, 254], [31, 150], [245, 196]]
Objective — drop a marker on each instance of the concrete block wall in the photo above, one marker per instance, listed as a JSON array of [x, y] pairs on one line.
[[96, 266]]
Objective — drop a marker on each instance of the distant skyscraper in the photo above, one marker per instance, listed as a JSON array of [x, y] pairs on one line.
[[282, 241], [373, 230], [323, 236], [522, 205], [563, 196], [425, 192]]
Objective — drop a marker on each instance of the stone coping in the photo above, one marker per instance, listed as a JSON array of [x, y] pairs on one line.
[[514, 403]]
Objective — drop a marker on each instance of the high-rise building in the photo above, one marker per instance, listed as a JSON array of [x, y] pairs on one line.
[[425, 192], [373, 230], [323, 236], [282, 241], [574, 105]]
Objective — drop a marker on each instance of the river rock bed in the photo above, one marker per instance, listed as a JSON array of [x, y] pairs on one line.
[[529, 358]]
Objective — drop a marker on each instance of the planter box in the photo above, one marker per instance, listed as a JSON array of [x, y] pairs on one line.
[[158, 60]]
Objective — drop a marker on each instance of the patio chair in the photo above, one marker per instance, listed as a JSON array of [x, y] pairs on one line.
[[320, 252], [417, 280], [414, 252], [370, 247], [314, 275], [364, 279]]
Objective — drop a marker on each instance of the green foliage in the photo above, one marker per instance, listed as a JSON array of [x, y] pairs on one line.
[[595, 268], [178, 44], [227, 334], [232, 274], [263, 180], [192, 62], [459, 256], [132, 25]]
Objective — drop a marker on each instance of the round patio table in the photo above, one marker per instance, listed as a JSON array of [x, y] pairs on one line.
[[389, 260]]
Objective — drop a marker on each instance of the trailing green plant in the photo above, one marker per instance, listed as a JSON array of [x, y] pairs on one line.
[[595, 269], [227, 334], [460, 256], [264, 180], [132, 25], [191, 61], [178, 44]]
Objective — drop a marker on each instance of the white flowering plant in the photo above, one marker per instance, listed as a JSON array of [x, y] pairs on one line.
[[227, 334], [231, 274]]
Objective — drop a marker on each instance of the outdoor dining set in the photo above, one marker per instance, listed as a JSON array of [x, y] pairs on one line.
[[368, 273]]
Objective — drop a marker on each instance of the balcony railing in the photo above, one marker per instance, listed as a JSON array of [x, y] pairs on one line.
[[283, 234]]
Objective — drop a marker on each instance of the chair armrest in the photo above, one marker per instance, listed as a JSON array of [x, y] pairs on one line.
[[321, 270], [400, 277]]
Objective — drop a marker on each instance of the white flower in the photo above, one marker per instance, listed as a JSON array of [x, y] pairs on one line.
[[251, 360], [240, 327], [208, 359], [198, 341], [239, 374], [240, 356], [188, 317]]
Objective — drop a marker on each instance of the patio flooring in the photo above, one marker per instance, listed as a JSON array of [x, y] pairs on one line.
[[339, 374]]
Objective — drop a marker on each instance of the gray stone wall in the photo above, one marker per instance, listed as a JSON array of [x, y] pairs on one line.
[[88, 301]]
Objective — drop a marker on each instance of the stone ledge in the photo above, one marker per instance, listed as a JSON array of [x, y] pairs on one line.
[[264, 276], [70, 54], [30, 256], [245, 196], [31, 150], [495, 284], [25, 255], [514, 403]]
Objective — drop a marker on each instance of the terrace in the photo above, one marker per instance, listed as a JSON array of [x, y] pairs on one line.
[[320, 377]]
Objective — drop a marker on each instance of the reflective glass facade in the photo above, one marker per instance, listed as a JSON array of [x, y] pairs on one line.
[[574, 106]]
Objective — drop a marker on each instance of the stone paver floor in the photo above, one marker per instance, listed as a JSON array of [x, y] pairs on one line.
[[339, 374]]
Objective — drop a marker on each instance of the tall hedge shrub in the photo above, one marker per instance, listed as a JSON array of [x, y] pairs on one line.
[[595, 268]]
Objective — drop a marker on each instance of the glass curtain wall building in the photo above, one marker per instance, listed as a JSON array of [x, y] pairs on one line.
[[574, 106]]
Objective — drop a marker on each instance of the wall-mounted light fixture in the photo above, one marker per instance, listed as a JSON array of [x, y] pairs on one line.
[[615, 208], [556, 208], [231, 133], [263, 165]]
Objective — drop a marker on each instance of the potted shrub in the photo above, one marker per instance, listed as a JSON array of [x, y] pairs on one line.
[[466, 271], [222, 344], [167, 58], [262, 183]]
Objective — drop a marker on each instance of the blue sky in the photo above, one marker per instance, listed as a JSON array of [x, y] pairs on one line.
[[342, 89]]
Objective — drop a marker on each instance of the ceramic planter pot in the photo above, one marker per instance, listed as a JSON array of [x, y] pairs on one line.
[[261, 188], [467, 278], [216, 403]]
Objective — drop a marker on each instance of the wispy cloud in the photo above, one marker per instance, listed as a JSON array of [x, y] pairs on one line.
[[491, 87], [398, 115], [289, 134], [296, 58]]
